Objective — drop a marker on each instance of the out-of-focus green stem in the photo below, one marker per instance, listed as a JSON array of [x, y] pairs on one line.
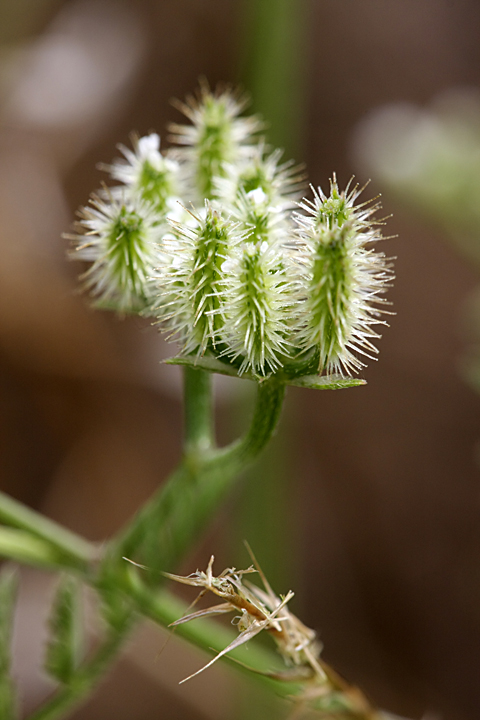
[[274, 66], [24, 547], [8, 587], [17, 515]]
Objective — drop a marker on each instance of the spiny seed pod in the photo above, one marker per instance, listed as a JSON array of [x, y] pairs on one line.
[[256, 308], [190, 284], [343, 279], [120, 239], [263, 222], [280, 182], [217, 135], [148, 175]]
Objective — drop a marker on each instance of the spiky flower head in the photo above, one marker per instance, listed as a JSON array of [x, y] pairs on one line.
[[148, 175], [244, 278], [217, 135], [344, 278], [119, 237], [280, 182], [190, 282], [264, 222], [256, 309]]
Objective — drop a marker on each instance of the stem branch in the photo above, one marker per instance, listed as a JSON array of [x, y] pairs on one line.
[[158, 536]]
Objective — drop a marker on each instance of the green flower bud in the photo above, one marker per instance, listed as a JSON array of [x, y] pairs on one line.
[[279, 182]]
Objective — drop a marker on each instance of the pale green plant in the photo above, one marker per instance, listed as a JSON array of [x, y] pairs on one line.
[[249, 288]]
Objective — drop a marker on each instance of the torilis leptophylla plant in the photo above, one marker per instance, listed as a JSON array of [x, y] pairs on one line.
[[212, 239]]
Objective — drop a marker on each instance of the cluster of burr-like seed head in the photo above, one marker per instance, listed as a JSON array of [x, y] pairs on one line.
[[212, 239]]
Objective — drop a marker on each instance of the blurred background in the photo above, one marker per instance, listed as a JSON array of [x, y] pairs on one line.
[[376, 514]]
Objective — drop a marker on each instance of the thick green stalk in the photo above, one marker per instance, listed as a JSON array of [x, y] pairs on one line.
[[164, 530], [199, 429]]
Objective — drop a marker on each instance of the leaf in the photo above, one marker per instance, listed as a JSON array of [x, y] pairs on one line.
[[8, 586], [313, 382], [23, 547], [210, 364], [64, 642], [326, 382]]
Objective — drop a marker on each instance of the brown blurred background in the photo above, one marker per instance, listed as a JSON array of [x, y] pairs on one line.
[[383, 483]]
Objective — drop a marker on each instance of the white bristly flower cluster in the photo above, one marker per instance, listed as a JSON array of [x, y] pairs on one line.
[[344, 278], [212, 239]]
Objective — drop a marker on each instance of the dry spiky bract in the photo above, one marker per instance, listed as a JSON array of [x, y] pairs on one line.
[[262, 610]]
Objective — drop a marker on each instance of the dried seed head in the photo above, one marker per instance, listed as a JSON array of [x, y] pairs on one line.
[[262, 610]]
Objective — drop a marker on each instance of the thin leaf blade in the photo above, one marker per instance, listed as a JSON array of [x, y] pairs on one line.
[[8, 587], [312, 382], [326, 382], [64, 642]]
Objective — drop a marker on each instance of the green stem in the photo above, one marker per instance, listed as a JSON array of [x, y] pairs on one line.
[[19, 516], [199, 430], [23, 547], [270, 396], [164, 530], [86, 677], [274, 64], [160, 534]]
